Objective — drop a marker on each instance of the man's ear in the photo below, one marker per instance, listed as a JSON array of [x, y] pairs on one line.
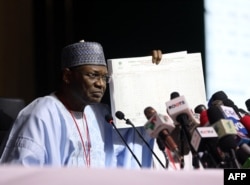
[[66, 75]]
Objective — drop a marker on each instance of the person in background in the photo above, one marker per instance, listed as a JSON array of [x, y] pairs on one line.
[[68, 126]]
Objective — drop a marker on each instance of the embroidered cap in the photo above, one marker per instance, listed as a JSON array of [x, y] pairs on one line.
[[83, 53]]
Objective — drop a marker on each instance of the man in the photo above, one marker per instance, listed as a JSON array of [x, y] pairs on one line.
[[68, 127]]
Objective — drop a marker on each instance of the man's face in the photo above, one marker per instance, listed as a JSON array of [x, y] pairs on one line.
[[88, 83]]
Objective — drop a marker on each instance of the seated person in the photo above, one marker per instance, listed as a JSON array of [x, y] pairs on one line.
[[68, 126]]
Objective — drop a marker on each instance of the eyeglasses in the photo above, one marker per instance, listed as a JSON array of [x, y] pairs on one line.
[[96, 76]]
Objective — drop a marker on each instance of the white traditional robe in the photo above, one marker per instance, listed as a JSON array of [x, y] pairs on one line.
[[45, 133]]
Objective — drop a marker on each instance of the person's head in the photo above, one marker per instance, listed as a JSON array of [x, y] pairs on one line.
[[84, 73]]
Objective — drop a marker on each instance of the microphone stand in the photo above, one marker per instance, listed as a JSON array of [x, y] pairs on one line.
[[183, 120], [139, 164], [161, 146], [130, 123], [234, 159], [182, 139]]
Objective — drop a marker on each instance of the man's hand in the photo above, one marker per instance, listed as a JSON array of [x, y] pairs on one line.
[[156, 56]]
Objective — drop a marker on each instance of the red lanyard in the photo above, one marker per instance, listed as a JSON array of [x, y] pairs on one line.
[[86, 149]]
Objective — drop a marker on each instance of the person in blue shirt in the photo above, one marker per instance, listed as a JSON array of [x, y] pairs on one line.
[[68, 126]]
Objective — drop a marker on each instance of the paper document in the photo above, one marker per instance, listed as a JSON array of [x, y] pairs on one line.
[[137, 83]]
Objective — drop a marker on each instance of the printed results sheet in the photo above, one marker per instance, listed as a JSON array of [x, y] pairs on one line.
[[137, 83]]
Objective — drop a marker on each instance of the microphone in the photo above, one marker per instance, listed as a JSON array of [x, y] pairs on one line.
[[110, 120], [158, 122], [243, 155], [226, 132], [229, 113], [174, 95], [222, 125], [205, 138], [204, 141], [230, 103], [160, 126], [219, 95], [183, 145], [240, 112], [121, 116], [201, 136], [204, 118], [227, 144], [179, 111], [202, 111], [243, 131], [245, 120], [199, 108], [178, 107], [247, 102]]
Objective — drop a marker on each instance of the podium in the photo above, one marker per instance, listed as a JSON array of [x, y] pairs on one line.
[[13, 175]]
